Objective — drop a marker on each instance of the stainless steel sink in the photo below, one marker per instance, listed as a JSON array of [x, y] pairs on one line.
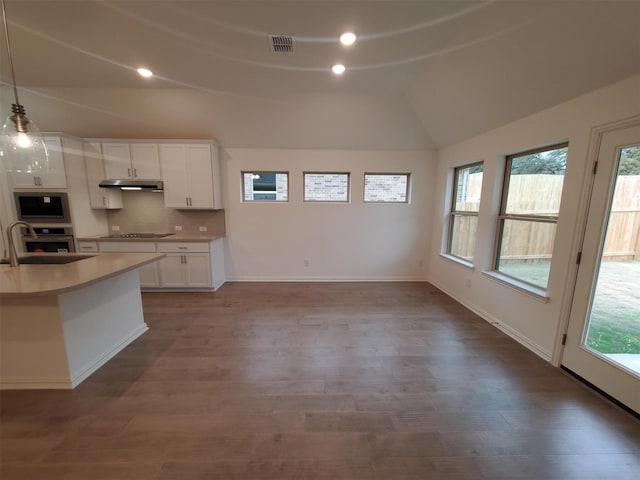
[[48, 259]]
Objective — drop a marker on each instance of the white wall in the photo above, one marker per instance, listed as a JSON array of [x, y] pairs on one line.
[[353, 241], [528, 319]]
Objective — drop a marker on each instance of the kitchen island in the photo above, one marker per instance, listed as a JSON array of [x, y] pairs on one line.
[[60, 323]]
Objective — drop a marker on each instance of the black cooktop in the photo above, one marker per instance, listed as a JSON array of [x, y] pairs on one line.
[[137, 235]]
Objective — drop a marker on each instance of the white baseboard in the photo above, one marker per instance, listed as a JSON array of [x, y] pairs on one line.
[[36, 383], [83, 373], [249, 278], [517, 336]]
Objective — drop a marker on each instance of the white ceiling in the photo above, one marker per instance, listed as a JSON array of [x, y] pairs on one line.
[[423, 73]]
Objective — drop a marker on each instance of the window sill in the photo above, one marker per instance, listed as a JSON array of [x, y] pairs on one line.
[[537, 293], [458, 260]]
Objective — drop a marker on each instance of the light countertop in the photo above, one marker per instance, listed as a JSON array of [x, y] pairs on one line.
[[55, 279], [176, 237]]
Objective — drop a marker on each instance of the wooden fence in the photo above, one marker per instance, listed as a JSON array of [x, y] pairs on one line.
[[540, 195]]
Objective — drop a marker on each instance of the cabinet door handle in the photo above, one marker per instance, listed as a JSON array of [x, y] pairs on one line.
[[185, 259], [135, 173], [129, 173], [183, 248], [104, 201]]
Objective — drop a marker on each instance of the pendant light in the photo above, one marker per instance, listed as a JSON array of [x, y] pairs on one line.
[[21, 145]]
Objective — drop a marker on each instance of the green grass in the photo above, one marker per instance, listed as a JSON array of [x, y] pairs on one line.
[[615, 316], [536, 272], [612, 334]]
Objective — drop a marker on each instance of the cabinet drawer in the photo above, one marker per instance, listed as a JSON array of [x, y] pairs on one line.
[[88, 246], [175, 247], [130, 247]]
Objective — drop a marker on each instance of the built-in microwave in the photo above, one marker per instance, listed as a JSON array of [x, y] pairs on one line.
[[42, 207]]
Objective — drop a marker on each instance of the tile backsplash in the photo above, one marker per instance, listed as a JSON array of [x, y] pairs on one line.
[[145, 212]]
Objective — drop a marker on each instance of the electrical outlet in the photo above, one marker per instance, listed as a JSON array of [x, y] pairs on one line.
[[178, 228], [115, 228], [203, 229]]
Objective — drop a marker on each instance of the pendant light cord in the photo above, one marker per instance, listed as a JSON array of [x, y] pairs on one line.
[[6, 36]]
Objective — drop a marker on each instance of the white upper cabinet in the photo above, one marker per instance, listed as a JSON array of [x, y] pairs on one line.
[[145, 161], [137, 161], [191, 175], [51, 177], [100, 198], [117, 160]]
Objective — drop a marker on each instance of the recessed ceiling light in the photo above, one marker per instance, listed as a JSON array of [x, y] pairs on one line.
[[145, 72], [338, 69], [348, 38]]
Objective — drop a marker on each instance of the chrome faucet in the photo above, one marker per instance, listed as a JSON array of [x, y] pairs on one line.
[[13, 256]]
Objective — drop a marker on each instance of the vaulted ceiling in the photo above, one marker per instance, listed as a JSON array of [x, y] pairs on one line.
[[422, 74]]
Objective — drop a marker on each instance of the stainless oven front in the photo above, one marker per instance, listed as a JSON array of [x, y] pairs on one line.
[[50, 240], [42, 207]]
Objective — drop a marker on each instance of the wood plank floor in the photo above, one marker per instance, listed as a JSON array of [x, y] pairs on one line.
[[351, 381]]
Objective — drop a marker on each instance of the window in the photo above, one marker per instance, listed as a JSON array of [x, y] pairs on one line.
[[326, 187], [529, 213], [386, 187], [265, 186], [463, 218]]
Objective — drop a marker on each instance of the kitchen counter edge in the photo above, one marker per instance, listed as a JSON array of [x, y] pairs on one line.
[[34, 280], [178, 237]]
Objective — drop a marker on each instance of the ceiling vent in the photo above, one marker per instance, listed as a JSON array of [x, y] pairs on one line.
[[281, 43]]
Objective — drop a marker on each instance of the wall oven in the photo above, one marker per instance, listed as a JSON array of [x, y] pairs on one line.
[[50, 240], [42, 207]]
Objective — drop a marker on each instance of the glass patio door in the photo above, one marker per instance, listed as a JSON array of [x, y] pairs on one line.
[[603, 338]]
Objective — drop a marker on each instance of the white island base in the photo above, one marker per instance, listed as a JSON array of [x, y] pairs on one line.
[[56, 340]]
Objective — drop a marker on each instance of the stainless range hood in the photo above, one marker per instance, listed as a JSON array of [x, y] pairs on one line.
[[125, 184]]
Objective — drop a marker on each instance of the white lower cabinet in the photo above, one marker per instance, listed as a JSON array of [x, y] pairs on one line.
[[149, 277], [185, 265], [88, 247]]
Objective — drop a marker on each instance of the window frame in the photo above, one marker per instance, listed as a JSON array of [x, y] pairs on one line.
[[304, 187], [406, 192], [453, 212], [259, 172], [503, 216]]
